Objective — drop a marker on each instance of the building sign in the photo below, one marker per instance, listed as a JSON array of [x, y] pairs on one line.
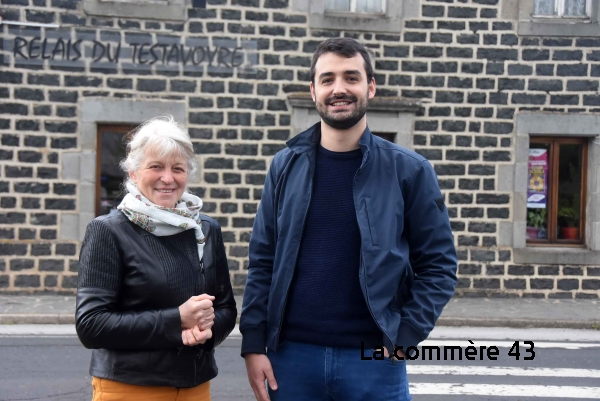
[[109, 49], [537, 187]]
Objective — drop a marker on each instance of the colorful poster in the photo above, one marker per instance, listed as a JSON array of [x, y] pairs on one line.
[[537, 188]]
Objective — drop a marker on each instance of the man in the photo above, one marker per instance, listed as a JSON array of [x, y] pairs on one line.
[[351, 251]]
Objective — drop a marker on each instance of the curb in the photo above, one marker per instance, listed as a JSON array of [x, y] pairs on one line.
[[64, 318], [55, 318], [519, 323]]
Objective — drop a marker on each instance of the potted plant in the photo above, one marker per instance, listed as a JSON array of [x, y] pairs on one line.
[[536, 220], [570, 218]]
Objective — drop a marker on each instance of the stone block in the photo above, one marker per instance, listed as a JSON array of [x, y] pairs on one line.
[[87, 167]]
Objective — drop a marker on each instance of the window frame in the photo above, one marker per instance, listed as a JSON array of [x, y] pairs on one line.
[[513, 178], [354, 4], [389, 21], [532, 25], [553, 192], [167, 10], [79, 165], [389, 115], [559, 8]]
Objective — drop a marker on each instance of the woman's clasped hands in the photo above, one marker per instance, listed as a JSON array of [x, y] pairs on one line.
[[197, 318]]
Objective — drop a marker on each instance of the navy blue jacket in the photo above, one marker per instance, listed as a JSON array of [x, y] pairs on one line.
[[408, 260]]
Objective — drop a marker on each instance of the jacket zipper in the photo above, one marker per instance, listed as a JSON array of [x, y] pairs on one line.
[[195, 357], [364, 269], [196, 348], [287, 290], [195, 368], [203, 277]]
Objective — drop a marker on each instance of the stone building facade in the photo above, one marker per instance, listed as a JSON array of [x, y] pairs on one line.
[[466, 83]]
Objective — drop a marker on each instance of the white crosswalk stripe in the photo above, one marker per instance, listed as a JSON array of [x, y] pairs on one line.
[[419, 387], [503, 333], [506, 390], [507, 344], [500, 371]]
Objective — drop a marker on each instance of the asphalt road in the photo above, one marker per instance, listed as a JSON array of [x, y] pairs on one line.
[[55, 368]]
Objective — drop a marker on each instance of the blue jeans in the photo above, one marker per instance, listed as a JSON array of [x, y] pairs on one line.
[[307, 372]]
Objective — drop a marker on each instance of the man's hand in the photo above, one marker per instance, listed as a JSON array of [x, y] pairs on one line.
[[195, 336], [399, 353], [197, 311], [259, 368]]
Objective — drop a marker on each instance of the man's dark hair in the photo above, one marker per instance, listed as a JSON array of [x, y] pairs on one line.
[[344, 47]]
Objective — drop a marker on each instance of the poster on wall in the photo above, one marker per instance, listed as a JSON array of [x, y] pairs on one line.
[[537, 187]]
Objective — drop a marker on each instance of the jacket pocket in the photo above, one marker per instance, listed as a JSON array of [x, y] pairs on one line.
[[371, 220], [403, 294]]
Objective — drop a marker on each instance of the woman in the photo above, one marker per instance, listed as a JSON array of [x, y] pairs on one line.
[[154, 297]]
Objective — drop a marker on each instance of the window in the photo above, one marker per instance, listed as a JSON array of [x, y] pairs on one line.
[[571, 142], [388, 136], [109, 176], [81, 165], [391, 118], [570, 18], [359, 15], [356, 6], [562, 8], [556, 191], [173, 10]]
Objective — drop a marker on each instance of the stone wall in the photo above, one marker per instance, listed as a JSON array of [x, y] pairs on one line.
[[472, 72]]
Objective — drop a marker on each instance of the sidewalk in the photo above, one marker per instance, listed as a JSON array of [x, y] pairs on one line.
[[475, 312]]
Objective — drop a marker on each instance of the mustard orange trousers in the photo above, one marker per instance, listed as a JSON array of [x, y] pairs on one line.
[[110, 390]]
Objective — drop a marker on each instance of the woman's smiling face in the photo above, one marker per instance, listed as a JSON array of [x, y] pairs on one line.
[[162, 179]]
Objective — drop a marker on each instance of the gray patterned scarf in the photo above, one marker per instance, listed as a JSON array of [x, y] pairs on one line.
[[163, 221]]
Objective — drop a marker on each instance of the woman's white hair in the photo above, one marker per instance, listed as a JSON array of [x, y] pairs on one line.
[[165, 137]]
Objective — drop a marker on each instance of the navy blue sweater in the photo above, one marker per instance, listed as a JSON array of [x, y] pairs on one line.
[[325, 304]]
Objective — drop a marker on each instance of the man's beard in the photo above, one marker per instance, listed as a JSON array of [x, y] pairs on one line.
[[342, 123]]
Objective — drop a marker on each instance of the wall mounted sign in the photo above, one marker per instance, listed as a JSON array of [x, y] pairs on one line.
[[109, 49]]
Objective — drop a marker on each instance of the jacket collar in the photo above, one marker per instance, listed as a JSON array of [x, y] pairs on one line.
[[308, 140]]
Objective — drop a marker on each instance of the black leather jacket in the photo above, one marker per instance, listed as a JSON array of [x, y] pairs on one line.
[[134, 330]]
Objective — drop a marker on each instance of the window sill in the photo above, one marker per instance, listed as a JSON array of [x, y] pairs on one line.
[[387, 115], [351, 15], [357, 22], [171, 11], [563, 28], [556, 256]]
